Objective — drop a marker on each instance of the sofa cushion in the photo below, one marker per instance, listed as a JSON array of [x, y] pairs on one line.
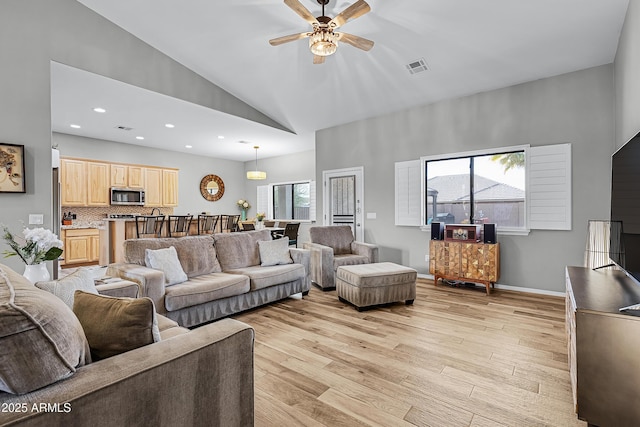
[[169, 328], [274, 252], [349, 260], [205, 288], [41, 341], [64, 288], [338, 237], [238, 250], [116, 325], [197, 254], [166, 260], [263, 277]]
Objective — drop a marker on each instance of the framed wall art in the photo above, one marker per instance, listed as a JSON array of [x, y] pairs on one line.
[[12, 168]]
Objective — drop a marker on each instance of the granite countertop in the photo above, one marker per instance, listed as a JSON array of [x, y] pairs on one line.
[[84, 224]]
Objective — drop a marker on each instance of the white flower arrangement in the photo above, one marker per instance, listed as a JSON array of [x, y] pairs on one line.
[[243, 204], [37, 246]]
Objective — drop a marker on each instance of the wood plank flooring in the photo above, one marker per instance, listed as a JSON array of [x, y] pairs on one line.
[[457, 357]]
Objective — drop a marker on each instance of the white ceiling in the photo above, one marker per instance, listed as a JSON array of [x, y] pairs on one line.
[[470, 46]]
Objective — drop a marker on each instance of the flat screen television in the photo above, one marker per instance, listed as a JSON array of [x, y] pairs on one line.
[[624, 248]]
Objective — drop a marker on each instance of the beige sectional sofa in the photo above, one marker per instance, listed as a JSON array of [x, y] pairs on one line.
[[224, 275], [201, 377]]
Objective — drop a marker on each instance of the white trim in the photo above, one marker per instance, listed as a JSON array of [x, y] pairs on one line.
[[358, 171], [513, 288], [484, 152]]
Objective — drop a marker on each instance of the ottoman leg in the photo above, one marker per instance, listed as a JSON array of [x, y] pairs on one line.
[[409, 302]]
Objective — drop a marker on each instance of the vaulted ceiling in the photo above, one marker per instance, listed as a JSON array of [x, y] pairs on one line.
[[469, 46]]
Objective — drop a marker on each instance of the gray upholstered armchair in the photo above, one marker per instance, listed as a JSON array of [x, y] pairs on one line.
[[333, 246]]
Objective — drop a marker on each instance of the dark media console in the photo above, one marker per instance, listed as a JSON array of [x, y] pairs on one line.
[[603, 346]]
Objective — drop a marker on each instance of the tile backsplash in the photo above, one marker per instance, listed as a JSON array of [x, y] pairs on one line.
[[100, 213]]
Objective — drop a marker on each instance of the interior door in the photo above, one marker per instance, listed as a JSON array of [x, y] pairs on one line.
[[343, 199]]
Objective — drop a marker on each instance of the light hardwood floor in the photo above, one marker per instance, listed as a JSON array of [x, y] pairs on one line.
[[457, 357]]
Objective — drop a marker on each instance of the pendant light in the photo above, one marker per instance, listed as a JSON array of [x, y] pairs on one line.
[[256, 174]]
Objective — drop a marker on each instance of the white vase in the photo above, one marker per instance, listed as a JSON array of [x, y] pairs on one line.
[[36, 273]]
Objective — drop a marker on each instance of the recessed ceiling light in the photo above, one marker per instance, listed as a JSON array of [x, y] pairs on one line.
[[169, 125], [75, 126], [220, 136], [99, 110], [188, 146], [140, 137]]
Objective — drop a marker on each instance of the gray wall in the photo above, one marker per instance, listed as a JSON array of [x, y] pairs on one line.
[[35, 32], [290, 168], [192, 170], [576, 108], [627, 74]]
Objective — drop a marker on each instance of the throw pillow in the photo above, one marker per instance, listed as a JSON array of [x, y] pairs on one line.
[[274, 252], [41, 341], [116, 325], [166, 260], [80, 280]]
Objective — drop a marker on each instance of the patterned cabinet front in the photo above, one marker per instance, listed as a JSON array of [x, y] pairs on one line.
[[444, 259], [480, 261]]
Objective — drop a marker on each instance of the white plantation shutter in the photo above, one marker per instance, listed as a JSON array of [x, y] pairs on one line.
[[312, 201], [549, 187], [408, 193], [262, 197]]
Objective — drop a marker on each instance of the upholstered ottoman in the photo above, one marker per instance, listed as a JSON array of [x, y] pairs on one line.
[[365, 285]]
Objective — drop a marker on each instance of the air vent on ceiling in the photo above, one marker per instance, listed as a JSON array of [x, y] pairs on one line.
[[417, 66], [123, 128]]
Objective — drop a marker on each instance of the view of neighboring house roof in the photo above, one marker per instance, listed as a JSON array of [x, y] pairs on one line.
[[454, 188]]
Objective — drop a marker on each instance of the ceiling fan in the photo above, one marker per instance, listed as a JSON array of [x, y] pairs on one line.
[[323, 41]]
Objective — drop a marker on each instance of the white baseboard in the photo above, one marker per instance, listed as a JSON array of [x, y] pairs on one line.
[[513, 288]]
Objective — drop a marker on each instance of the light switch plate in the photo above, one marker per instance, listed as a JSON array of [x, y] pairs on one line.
[[36, 219]]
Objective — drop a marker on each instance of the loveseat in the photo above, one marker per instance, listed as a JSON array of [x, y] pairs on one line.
[[225, 273], [333, 246], [202, 377]]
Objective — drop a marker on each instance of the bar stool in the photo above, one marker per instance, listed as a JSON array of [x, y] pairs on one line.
[[149, 225], [179, 225], [207, 223]]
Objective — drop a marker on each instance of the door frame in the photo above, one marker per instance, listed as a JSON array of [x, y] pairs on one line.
[[358, 172]]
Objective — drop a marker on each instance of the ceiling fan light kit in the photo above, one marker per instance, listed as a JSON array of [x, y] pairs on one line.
[[323, 41]]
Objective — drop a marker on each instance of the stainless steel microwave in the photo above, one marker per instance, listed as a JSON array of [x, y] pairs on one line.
[[127, 196]]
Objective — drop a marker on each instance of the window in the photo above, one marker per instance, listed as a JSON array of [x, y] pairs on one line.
[[292, 201], [518, 188], [288, 201], [488, 188]]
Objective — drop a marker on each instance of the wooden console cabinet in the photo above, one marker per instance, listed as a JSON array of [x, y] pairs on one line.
[[467, 262], [603, 346]]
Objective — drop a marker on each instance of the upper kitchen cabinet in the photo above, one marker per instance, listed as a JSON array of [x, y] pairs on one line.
[[127, 176], [153, 188], [98, 184], [169, 187], [73, 182], [161, 188]]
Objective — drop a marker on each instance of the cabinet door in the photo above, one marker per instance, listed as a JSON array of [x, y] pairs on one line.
[[480, 261], [153, 189], [136, 177], [95, 247], [445, 258], [169, 187], [98, 184], [73, 182], [77, 249], [118, 175]]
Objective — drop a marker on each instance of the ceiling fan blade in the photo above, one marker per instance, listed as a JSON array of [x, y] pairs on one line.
[[317, 59], [354, 11], [302, 11], [355, 41], [287, 39]]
